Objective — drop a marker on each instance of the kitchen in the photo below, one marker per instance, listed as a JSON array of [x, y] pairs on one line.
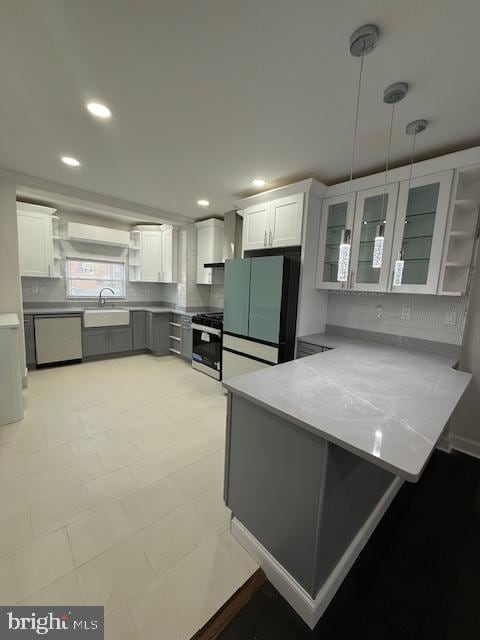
[[214, 394]]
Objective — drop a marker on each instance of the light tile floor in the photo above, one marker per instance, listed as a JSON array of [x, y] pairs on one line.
[[111, 494]]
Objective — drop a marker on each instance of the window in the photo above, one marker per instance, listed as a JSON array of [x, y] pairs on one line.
[[85, 278]]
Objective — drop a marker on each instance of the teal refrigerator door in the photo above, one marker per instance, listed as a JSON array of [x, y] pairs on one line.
[[237, 296], [266, 282]]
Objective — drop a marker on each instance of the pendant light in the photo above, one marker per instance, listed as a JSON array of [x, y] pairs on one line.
[[392, 94], [413, 129], [362, 42]]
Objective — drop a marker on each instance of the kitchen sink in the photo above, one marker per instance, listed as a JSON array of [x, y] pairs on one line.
[[105, 317]]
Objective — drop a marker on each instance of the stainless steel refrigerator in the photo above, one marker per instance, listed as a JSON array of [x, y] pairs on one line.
[[260, 313]]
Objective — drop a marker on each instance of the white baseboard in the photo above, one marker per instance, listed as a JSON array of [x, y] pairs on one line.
[[465, 445], [308, 608], [444, 444]]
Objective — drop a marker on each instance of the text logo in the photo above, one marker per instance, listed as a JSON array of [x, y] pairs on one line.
[[51, 622]]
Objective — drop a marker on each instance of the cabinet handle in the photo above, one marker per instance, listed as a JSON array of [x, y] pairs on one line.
[[270, 237], [265, 239], [352, 276], [49, 270]]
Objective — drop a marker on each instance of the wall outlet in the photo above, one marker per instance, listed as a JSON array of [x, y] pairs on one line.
[[35, 288], [406, 313], [379, 311], [451, 317]]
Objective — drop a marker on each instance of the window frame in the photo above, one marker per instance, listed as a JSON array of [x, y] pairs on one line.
[[68, 279]]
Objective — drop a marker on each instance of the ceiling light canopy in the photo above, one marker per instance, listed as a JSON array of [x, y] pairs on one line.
[[258, 182], [70, 161], [203, 203], [99, 110]]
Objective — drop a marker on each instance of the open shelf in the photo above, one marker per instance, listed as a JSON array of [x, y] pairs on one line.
[[465, 203], [468, 235], [457, 265], [460, 236]]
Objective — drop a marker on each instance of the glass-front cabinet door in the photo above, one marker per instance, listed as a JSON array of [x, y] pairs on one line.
[[372, 238], [335, 236], [419, 233]]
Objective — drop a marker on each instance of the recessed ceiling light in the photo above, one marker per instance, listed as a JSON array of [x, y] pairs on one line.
[[99, 110], [258, 182], [70, 162], [203, 203]]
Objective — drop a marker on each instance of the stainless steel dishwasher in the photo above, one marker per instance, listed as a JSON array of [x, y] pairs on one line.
[[58, 338]]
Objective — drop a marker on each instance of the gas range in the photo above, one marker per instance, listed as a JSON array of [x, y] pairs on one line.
[[209, 319], [207, 329]]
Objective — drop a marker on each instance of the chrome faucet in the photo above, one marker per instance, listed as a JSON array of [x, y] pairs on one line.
[[101, 301]]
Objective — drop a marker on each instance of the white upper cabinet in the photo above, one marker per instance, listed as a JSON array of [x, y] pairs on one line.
[[150, 256], [419, 233], [35, 240], [373, 230], [256, 226], [153, 254], [395, 235], [168, 263], [286, 216], [337, 222], [277, 223], [209, 247]]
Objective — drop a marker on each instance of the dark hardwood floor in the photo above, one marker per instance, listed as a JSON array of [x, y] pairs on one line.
[[418, 576]]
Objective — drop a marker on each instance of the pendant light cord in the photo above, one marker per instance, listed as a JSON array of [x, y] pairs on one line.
[[355, 126], [412, 155]]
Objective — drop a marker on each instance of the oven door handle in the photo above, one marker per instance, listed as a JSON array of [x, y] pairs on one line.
[[211, 330]]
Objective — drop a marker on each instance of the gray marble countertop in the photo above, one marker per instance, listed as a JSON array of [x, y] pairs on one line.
[[37, 311], [449, 355], [385, 404]]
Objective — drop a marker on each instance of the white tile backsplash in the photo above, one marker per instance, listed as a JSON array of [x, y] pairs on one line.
[[54, 290], [383, 313]]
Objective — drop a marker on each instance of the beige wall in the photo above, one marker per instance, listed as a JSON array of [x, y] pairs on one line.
[[10, 285]]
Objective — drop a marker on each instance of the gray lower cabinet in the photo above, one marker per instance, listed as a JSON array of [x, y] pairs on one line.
[[29, 340], [146, 331], [158, 333], [94, 342], [139, 328], [120, 339], [186, 337], [104, 340], [305, 349]]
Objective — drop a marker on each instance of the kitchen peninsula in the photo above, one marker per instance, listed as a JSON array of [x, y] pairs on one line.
[[317, 449]]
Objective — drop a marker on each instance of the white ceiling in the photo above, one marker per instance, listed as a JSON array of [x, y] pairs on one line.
[[207, 94]]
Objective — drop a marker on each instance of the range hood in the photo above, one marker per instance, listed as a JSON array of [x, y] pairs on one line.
[[232, 239]]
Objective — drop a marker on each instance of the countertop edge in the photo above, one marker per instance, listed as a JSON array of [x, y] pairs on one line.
[[410, 476], [9, 320], [413, 474]]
